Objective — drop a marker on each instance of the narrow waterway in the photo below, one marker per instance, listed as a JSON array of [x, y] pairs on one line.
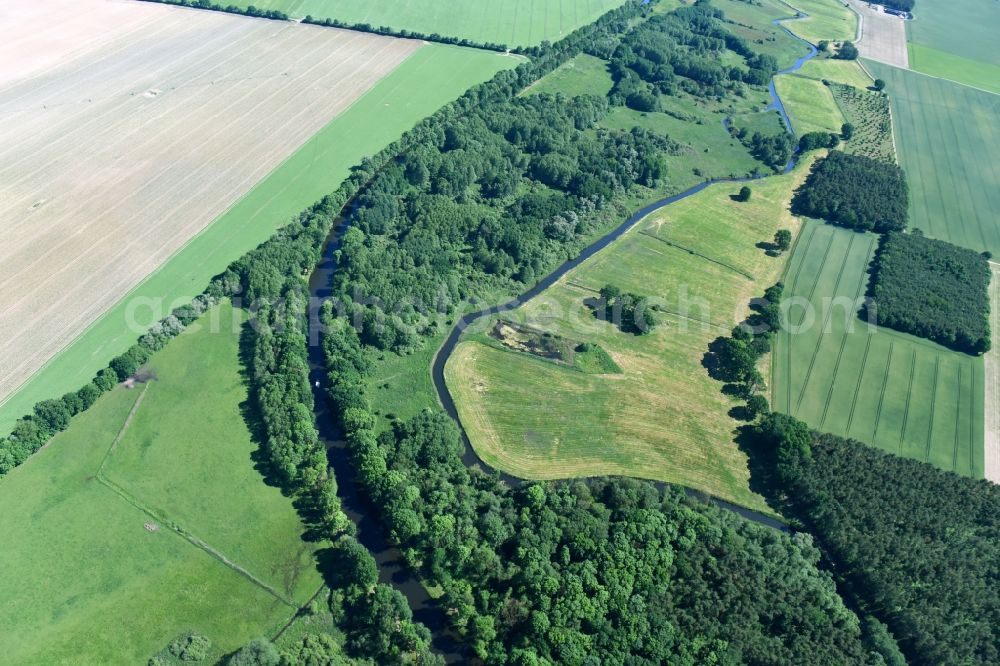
[[370, 533]]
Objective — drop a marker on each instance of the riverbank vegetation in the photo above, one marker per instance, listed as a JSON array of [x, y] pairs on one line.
[[700, 260], [932, 289], [535, 572], [856, 192], [834, 371], [917, 547]]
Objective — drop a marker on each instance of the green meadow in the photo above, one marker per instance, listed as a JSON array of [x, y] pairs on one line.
[[831, 20], [809, 104], [430, 78], [662, 417], [839, 374], [966, 28], [512, 22], [848, 72], [975, 73], [582, 75], [115, 534], [948, 139], [752, 22]]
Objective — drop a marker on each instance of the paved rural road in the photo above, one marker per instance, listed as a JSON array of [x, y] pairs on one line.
[[883, 36], [991, 429]]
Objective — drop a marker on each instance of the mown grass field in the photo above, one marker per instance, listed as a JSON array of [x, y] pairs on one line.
[[809, 104], [975, 73], [85, 581], [831, 369], [966, 28], [431, 77], [663, 418], [582, 75], [513, 22], [828, 19], [948, 137], [848, 72]]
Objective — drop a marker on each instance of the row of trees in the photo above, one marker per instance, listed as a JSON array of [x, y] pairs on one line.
[[249, 10], [933, 289], [734, 359], [918, 547], [856, 192]]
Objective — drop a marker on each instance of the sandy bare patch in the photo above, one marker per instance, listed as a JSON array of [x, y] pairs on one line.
[[122, 148], [991, 430], [883, 36]]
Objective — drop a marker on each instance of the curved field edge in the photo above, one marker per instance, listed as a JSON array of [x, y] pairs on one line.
[[129, 528], [432, 77], [664, 419]]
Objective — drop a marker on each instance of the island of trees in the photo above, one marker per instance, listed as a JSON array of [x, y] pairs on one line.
[[933, 289], [855, 191]]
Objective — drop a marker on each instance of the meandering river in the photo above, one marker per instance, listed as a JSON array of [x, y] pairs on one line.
[[392, 568]]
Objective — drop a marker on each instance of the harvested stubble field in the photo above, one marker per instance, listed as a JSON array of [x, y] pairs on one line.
[[662, 418], [114, 159], [95, 569], [903, 394]]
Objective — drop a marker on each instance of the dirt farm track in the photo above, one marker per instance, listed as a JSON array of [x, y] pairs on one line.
[[121, 140]]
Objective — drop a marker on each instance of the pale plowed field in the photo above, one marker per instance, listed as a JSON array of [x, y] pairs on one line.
[[116, 153]]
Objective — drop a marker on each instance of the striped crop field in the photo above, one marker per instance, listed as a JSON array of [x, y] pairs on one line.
[[947, 137], [841, 375]]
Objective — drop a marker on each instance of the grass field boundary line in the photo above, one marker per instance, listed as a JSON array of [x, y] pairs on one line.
[[677, 246], [694, 319], [826, 319], [193, 540], [972, 427], [857, 387], [939, 78], [881, 395], [574, 283], [200, 233], [909, 395], [121, 431], [930, 423], [958, 421], [298, 611]]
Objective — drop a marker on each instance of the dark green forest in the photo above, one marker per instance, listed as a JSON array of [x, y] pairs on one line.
[[917, 546], [933, 289], [855, 191]]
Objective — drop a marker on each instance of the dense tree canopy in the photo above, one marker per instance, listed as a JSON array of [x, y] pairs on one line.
[[933, 289], [919, 547], [856, 192]]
